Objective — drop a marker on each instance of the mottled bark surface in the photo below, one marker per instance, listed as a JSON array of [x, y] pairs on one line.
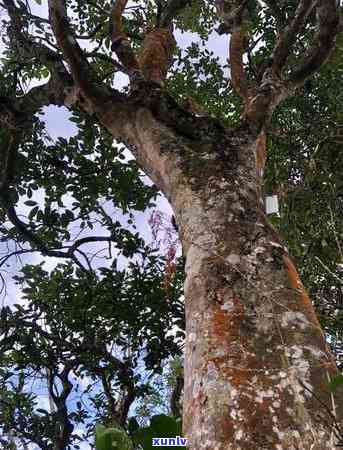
[[256, 364]]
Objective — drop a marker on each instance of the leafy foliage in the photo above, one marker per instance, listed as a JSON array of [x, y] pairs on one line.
[[108, 438]]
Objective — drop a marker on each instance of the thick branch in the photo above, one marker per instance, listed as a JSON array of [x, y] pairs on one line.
[[64, 427], [120, 42], [54, 92], [323, 42], [75, 57], [238, 76], [175, 399]]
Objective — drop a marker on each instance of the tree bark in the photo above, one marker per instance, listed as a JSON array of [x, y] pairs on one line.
[[257, 365]]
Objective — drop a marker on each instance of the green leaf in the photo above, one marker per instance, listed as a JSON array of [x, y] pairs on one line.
[[111, 439], [30, 203]]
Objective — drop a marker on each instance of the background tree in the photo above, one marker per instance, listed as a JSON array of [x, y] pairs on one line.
[[92, 345], [254, 345]]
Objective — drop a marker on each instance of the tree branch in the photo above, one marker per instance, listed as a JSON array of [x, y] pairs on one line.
[[238, 76], [36, 241], [79, 66], [120, 42], [323, 42], [176, 396], [29, 48], [64, 427]]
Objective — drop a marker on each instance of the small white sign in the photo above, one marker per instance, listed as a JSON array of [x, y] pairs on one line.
[[272, 204]]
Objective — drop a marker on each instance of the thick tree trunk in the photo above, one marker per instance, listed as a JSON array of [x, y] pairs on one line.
[[257, 365]]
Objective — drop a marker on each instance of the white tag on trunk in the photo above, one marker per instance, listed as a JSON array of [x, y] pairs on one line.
[[272, 204]]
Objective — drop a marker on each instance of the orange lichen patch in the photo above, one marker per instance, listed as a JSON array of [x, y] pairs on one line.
[[226, 323], [295, 283], [156, 54], [227, 337]]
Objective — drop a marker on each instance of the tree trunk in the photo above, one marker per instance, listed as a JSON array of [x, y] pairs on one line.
[[257, 365]]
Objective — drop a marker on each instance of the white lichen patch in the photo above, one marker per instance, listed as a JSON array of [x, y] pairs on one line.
[[295, 318], [294, 352], [238, 207], [239, 435], [191, 338], [233, 259], [280, 434], [206, 155], [275, 244], [228, 306], [262, 395], [315, 352], [219, 353], [259, 250], [197, 387]]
